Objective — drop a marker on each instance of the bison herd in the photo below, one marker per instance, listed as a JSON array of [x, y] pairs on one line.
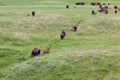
[[102, 8]]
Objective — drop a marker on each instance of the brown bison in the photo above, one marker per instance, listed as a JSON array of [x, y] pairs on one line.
[[62, 35], [95, 3], [115, 7], [74, 28], [80, 3], [67, 6], [115, 11], [93, 12], [33, 13], [105, 11], [46, 51], [35, 52]]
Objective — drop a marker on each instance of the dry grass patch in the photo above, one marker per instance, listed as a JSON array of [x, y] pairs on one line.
[[50, 19], [21, 35]]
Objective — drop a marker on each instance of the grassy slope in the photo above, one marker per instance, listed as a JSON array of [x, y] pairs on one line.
[[92, 53]]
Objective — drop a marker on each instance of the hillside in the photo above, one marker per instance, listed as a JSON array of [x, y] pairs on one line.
[[91, 53]]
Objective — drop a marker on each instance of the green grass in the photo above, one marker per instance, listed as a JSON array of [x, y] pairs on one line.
[[91, 53]]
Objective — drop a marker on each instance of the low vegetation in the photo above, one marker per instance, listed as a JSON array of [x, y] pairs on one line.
[[90, 53]]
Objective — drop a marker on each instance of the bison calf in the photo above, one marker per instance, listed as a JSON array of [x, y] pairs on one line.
[[35, 52], [46, 51]]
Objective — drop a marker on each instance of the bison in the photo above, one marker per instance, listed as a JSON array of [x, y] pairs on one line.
[[93, 12], [93, 4], [33, 13], [115, 11], [74, 28], [62, 35], [63, 32], [35, 52], [79, 3], [115, 7], [105, 11], [67, 6], [46, 51]]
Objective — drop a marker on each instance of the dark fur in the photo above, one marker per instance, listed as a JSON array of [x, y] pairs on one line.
[[35, 52], [74, 28], [62, 35], [115, 11], [115, 7], [105, 11], [67, 6], [95, 3], [93, 12], [80, 3], [33, 13]]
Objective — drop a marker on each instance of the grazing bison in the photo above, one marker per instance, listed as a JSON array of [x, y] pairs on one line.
[[115, 7], [115, 11], [100, 6], [35, 52], [46, 51], [62, 35], [93, 12], [74, 28], [105, 11], [93, 4], [80, 3], [33, 13], [97, 3], [67, 6]]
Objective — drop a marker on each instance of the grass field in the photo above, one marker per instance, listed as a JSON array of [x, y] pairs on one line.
[[91, 53]]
